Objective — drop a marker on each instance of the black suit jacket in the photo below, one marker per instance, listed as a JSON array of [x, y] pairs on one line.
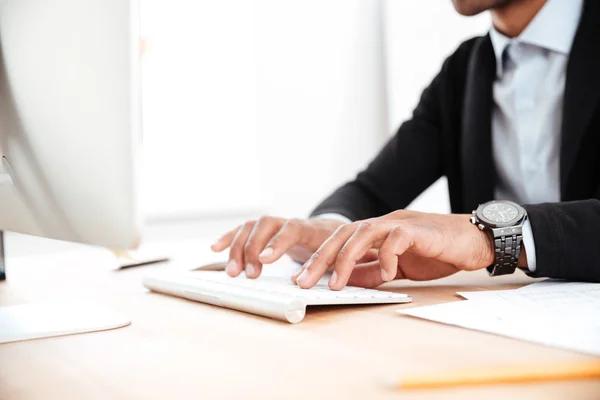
[[449, 135]]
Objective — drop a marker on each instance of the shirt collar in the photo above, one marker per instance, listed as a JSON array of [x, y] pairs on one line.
[[553, 28]]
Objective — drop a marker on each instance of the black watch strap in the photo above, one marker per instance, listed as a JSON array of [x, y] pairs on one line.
[[507, 253]]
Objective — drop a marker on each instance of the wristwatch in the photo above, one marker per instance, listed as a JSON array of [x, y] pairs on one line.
[[503, 221]]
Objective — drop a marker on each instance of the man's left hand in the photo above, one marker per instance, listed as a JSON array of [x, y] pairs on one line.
[[411, 245]]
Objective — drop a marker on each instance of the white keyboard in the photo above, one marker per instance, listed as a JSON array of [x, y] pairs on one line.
[[269, 296]]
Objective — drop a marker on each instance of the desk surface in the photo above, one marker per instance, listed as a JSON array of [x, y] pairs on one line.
[[181, 349]]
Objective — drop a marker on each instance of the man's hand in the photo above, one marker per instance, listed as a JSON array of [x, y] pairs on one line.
[[265, 240], [412, 245]]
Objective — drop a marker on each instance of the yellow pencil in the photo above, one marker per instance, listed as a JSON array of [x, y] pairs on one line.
[[504, 374]]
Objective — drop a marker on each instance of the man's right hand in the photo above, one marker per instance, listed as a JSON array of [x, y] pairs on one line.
[[265, 240]]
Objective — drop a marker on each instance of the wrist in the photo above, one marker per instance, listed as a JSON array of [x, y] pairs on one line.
[[504, 221], [484, 255], [490, 249], [489, 252], [523, 259]]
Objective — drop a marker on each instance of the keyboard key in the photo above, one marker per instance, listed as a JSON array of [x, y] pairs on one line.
[[281, 286]]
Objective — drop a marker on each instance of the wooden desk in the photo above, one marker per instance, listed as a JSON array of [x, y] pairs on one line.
[[179, 349]]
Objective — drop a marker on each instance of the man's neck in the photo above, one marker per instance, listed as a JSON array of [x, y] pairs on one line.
[[513, 17]]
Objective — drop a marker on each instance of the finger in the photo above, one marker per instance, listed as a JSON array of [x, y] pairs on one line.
[[263, 230], [235, 265], [397, 242], [402, 238], [371, 255], [224, 241], [297, 274], [318, 263], [367, 235], [368, 275], [291, 233]]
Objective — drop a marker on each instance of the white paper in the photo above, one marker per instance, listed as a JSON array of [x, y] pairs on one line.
[[559, 314], [36, 321], [569, 299], [540, 285]]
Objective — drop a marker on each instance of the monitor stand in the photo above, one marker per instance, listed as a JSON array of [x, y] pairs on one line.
[[50, 319]]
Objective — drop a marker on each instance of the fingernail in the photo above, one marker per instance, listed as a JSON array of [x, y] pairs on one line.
[[231, 267], [266, 253], [250, 270], [384, 275], [302, 277], [333, 278]]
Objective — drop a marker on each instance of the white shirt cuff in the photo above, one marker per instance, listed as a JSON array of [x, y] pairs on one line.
[[529, 245], [334, 216]]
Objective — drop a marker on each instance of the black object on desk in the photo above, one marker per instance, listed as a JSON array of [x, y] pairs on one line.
[[2, 260]]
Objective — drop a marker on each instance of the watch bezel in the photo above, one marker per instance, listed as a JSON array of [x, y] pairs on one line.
[[518, 219]]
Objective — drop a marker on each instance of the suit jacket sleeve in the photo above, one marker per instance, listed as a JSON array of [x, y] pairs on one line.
[[567, 239], [407, 165]]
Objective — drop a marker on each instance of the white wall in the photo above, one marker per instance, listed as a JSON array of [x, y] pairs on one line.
[[199, 95], [420, 34], [322, 104], [267, 105]]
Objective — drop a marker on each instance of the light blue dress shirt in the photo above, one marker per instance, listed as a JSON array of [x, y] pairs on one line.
[[528, 103], [527, 116]]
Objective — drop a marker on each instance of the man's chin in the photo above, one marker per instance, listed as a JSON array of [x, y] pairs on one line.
[[468, 8]]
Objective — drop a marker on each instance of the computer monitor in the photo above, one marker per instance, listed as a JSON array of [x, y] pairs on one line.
[[70, 128], [70, 120]]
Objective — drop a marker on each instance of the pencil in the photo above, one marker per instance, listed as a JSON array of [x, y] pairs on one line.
[[504, 374]]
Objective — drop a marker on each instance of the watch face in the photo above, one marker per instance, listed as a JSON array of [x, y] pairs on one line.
[[501, 213]]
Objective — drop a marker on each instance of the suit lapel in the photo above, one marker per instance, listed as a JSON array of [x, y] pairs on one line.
[[582, 87], [476, 144]]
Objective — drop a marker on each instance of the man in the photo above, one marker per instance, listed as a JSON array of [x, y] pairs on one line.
[[513, 115]]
